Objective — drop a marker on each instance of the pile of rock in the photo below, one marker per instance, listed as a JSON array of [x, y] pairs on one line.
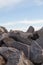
[[21, 48]]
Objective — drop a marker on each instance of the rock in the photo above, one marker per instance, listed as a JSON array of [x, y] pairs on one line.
[[42, 64], [14, 57], [2, 36], [23, 38], [40, 41], [5, 35], [36, 52], [9, 42], [40, 32], [2, 60], [3, 30], [22, 34], [24, 61], [21, 48], [35, 36], [30, 30]]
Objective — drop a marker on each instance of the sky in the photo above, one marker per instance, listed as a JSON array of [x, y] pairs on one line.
[[20, 14]]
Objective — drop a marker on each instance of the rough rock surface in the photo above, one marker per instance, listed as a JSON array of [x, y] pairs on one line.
[[21, 37], [40, 32], [9, 42], [30, 30], [36, 53], [21, 48], [13, 56]]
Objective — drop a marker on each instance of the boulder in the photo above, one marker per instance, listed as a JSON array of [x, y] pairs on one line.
[[3, 29], [23, 38], [2, 60], [9, 42], [22, 34], [14, 56], [36, 53], [40, 32], [30, 30], [2, 36], [40, 41]]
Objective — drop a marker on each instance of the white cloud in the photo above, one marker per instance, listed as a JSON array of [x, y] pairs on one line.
[[5, 3], [23, 22], [31, 22]]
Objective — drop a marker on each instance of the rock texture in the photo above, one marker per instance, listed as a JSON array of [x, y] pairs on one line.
[[21, 48]]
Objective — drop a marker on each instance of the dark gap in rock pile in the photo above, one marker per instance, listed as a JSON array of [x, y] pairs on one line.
[[35, 36]]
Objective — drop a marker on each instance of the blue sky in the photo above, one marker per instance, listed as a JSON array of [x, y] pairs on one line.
[[20, 14]]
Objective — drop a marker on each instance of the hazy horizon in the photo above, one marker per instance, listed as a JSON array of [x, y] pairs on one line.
[[20, 14]]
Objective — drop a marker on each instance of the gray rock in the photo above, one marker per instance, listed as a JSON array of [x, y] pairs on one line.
[[23, 38], [42, 64], [40, 32], [36, 53], [22, 34], [3, 29], [14, 57], [40, 41], [30, 30], [9, 42], [2, 36]]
